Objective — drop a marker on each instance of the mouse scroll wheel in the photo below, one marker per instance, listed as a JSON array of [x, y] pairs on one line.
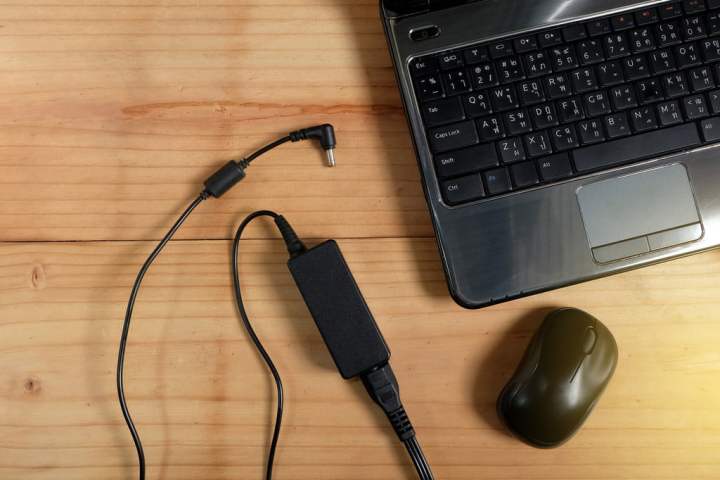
[[589, 340]]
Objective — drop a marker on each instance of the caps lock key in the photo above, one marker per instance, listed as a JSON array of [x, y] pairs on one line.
[[452, 137]]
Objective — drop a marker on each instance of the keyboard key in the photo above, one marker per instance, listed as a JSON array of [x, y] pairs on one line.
[[649, 91], [695, 107], [517, 122], [647, 16], [510, 70], [714, 102], [570, 110], [475, 55], [694, 6], [563, 58], [490, 128], [638, 147], [497, 181], [590, 131], [483, 76], [590, 51], [675, 85], [557, 86], [463, 190], [669, 113], [583, 80], [550, 39], [616, 125], [544, 116], [423, 66], [504, 98], [693, 28], [701, 79], [670, 10], [713, 22], [429, 88], [687, 55], [623, 97], [524, 175], [438, 112], [511, 150], [711, 49], [610, 73], [662, 61], [573, 33], [537, 144], [643, 119], [598, 28], [501, 49], [537, 64], [477, 104], [596, 104], [526, 43], [531, 92], [668, 34], [622, 22], [616, 45], [453, 137], [467, 160], [456, 82], [564, 138], [450, 61], [635, 68], [641, 40], [555, 167], [710, 129]]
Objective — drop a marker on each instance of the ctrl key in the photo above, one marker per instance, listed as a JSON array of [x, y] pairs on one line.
[[463, 189]]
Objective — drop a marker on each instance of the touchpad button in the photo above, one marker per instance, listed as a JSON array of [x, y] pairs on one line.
[[639, 213]]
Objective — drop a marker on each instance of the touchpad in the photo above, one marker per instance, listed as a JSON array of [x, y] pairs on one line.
[[639, 213]]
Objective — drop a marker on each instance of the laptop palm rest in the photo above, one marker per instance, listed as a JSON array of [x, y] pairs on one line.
[[639, 213]]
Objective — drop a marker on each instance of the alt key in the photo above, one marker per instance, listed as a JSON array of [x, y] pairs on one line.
[[463, 190]]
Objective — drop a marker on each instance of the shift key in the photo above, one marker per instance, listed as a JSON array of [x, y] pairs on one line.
[[452, 137]]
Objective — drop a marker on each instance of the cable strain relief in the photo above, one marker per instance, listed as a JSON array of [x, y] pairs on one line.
[[298, 135], [295, 246], [243, 163], [401, 424]]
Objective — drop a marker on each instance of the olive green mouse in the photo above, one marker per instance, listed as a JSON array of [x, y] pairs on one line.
[[566, 367]]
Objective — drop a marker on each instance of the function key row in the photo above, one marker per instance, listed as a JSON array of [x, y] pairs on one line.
[[583, 65], [578, 32]]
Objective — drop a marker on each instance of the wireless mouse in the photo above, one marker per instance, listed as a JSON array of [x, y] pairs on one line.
[[565, 369]]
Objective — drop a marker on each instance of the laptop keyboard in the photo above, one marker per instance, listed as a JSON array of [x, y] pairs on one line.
[[540, 108]]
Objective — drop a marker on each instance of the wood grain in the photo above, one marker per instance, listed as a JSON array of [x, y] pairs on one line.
[[201, 395], [113, 113]]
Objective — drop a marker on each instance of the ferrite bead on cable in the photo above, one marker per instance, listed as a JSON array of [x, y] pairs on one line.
[[224, 179]]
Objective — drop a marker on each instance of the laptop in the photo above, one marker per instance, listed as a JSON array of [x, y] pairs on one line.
[[561, 140]]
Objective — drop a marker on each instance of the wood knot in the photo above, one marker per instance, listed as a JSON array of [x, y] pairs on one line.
[[32, 386], [37, 277]]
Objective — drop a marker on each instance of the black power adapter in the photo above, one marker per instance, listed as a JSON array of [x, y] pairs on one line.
[[339, 310], [351, 334], [330, 292]]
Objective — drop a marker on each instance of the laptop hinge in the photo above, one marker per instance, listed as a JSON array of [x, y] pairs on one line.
[[409, 7]]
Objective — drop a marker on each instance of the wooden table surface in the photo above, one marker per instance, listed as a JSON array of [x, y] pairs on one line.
[[112, 112]]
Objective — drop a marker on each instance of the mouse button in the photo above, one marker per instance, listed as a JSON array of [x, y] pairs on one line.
[[589, 340]]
